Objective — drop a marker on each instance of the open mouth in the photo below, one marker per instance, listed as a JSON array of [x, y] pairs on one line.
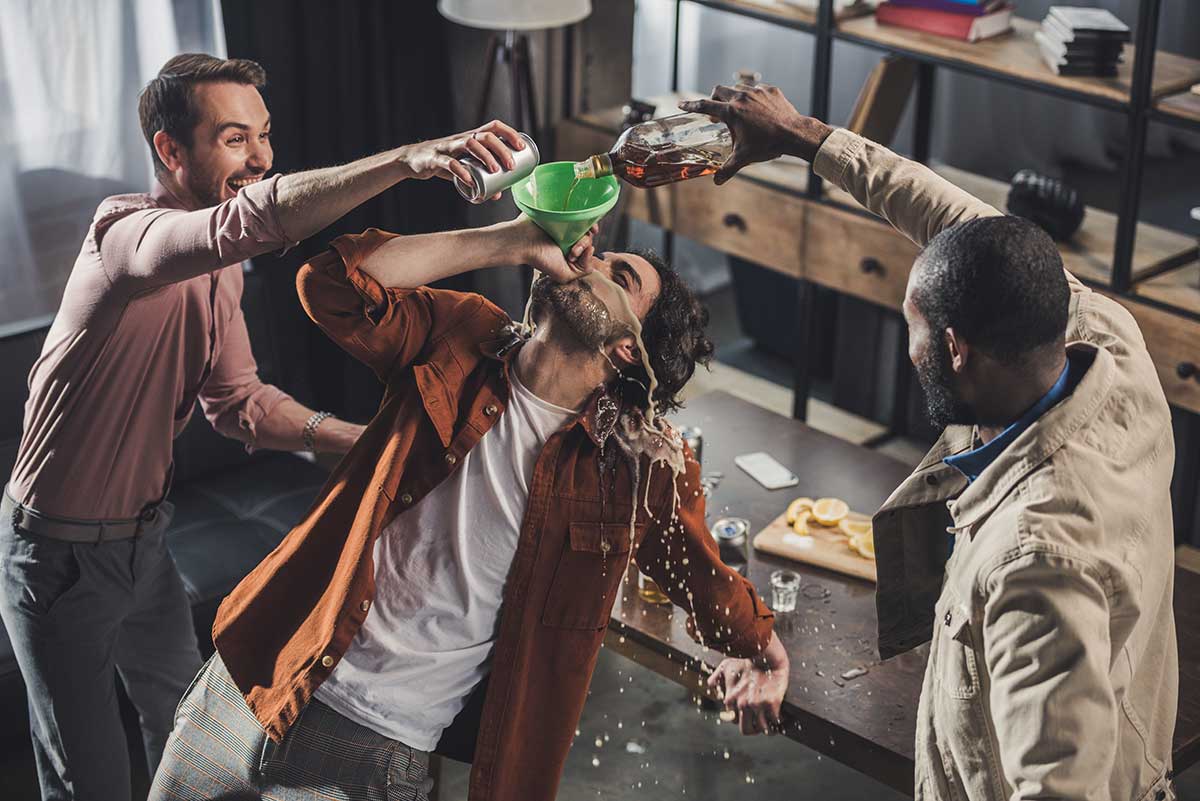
[[240, 183]]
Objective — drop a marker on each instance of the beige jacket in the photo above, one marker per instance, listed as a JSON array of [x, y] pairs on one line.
[[1053, 667]]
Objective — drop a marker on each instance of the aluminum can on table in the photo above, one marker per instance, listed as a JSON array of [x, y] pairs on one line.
[[731, 534]]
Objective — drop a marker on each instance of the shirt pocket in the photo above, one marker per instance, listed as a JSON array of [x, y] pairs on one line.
[[589, 572], [956, 662]]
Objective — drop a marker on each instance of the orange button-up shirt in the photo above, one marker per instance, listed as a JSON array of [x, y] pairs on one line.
[[444, 359]]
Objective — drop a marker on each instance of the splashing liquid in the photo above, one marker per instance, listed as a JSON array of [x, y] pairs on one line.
[[640, 432]]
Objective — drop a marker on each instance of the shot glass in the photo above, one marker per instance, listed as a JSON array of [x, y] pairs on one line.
[[785, 585]]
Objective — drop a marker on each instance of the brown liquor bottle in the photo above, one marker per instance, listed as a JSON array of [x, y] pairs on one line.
[[663, 151]]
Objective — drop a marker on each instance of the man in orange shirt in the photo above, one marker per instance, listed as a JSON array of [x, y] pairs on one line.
[[460, 567]]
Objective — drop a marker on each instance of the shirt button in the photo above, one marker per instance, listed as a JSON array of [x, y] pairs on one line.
[[931, 479], [605, 546], [451, 458], [327, 660], [948, 618], [406, 499], [365, 605], [490, 409]]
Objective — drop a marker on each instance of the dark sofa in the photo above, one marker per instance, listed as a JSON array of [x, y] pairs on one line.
[[231, 508]]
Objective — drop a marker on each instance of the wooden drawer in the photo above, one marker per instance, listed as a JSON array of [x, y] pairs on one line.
[[1174, 343], [857, 255], [744, 219]]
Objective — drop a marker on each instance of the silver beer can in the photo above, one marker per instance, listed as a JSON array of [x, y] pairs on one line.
[[694, 438], [731, 534], [485, 184]]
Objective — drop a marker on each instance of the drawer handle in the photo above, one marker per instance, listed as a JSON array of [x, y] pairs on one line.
[[869, 266], [1185, 370], [733, 220]]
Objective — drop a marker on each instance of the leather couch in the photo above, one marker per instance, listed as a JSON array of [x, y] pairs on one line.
[[231, 508]]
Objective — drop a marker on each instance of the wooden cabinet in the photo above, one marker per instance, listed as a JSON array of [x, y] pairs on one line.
[[857, 255], [1174, 344]]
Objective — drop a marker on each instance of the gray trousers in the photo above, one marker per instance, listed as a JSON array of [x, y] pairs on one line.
[[79, 615], [219, 750]]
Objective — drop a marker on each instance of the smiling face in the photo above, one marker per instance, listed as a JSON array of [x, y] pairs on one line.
[[230, 148], [588, 307]]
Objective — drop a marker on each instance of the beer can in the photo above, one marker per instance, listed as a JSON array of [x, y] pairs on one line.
[[694, 438], [485, 184], [731, 534]]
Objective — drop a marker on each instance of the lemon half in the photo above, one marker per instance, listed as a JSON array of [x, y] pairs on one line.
[[830, 511]]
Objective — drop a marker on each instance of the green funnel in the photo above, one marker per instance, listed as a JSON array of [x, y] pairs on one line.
[[564, 213]]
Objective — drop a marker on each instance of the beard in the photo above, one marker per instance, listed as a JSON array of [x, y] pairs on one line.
[[942, 403], [583, 315]]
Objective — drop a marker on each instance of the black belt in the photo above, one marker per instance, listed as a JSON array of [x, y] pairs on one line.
[[69, 530]]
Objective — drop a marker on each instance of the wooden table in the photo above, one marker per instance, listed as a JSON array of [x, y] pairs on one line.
[[869, 722]]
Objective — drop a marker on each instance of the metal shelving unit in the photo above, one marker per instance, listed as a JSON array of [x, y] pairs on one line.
[[1151, 87]]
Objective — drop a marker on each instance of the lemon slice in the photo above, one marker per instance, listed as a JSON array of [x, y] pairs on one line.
[[853, 527], [863, 545], [830, 511], [800, 524], [795, 507]]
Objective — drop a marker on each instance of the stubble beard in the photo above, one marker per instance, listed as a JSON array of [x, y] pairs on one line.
[[583, 316], [942, 403]]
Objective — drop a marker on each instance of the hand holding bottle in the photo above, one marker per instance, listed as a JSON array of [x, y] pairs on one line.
[[765, 125]]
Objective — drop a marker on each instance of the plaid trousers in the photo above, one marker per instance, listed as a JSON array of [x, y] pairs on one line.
[[218, 750]]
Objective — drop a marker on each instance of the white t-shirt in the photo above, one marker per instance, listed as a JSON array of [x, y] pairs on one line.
[[440, 570]]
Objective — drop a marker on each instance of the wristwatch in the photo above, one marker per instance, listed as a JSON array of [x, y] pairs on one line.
[[309, 435]]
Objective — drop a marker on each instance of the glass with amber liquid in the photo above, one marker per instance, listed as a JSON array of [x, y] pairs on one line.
[[649, 590], [663, 151]]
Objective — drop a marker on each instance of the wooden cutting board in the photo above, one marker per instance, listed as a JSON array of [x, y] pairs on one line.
[[828, 548]]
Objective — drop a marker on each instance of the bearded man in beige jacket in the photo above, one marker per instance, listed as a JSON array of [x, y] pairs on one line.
[[1053, 667]]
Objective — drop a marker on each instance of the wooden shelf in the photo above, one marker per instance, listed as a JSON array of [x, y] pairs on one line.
[[1015, 57], [1179, 288], [1185, 105], [1088, 255], [780, 12]]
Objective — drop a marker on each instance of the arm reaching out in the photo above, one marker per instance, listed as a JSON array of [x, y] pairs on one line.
[[162, 246], [915, 200]]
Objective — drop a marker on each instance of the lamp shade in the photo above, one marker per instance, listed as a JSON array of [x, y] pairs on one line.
[[515, 15]]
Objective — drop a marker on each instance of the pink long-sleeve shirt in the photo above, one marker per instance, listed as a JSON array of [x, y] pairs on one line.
[[150, 321]]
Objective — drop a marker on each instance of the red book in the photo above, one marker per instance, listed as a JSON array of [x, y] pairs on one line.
[[945, 23]]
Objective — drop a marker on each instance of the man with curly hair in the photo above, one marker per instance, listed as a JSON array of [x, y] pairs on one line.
[[451, 586]]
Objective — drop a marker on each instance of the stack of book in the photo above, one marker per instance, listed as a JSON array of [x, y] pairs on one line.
[[969, 20], [1082, 41]]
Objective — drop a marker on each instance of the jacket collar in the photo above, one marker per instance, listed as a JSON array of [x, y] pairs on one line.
[[599, 416], [933, 481], [1038, 442]]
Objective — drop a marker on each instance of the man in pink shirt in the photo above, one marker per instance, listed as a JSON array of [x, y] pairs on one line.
[[150, 322]]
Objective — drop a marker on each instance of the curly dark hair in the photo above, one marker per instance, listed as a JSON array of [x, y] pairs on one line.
[[673, 332]]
